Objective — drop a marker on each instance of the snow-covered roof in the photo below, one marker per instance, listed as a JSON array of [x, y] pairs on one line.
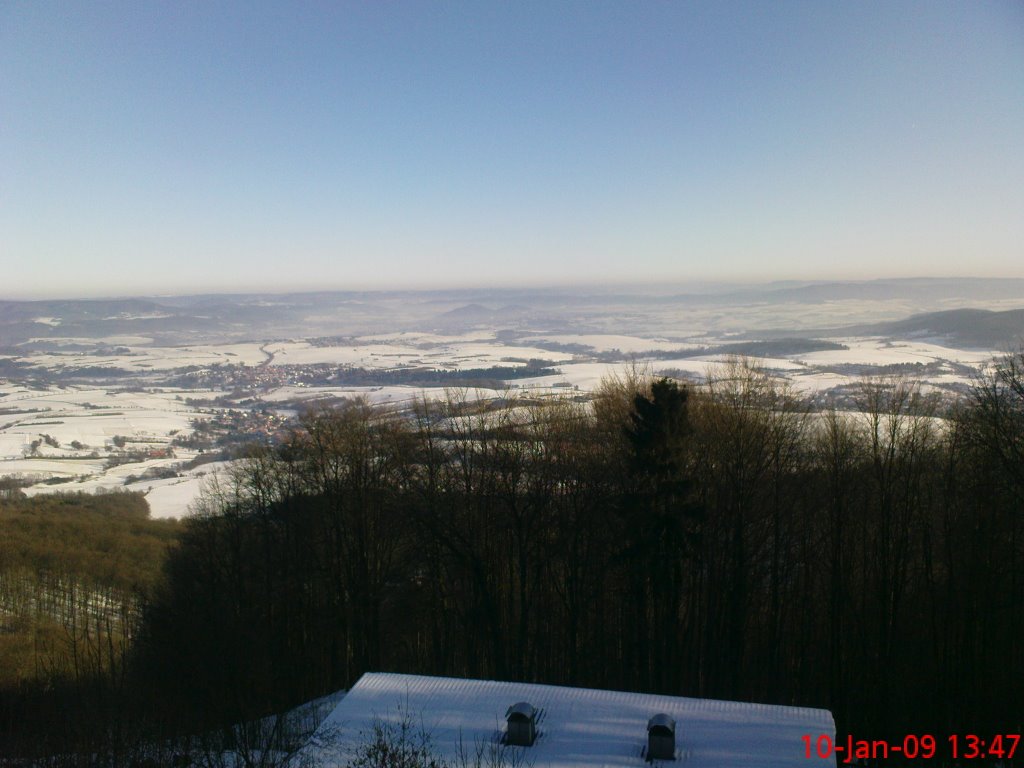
[[577, 727]]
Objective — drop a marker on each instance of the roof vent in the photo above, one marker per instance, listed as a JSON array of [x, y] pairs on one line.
[[522, 725], [661, 738]]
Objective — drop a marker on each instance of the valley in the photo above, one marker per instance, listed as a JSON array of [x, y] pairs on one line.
[[158, 396]]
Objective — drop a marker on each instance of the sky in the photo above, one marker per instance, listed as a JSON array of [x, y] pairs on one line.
[[179, 147]]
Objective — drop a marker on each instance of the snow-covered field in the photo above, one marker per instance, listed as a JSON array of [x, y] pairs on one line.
[[146, 358], [91, 417], [449, 353], [76, 434], [307, 396], [70, 434], [880, 351], [168, 497]]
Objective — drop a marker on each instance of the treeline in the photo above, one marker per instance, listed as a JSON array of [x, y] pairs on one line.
[[493, 377], [722, 541]]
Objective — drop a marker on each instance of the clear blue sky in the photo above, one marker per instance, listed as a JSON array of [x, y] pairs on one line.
[[190, 147]]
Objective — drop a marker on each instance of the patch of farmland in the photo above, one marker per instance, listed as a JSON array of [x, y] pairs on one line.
[[814, 382], [485, 355], [143, 359], [409, 349], [69, 432], [362, 356], [13, 445], [174, 496], [167, 497], [70, 341], [584, 376], [91, 417], [421, 339], [173, 499], [42, 468], [382, 395], [768, 363], [880, 351]]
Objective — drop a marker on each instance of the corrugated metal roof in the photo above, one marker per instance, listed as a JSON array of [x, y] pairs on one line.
[[577, 727]]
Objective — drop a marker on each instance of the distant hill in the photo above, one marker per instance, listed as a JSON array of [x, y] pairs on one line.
[[471, 312], [921, 289], [968, 328], [469, 316], [21, 320], [965, 327], [634, 309]]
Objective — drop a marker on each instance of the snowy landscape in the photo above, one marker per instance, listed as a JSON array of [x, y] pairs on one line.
[[511, 385], [158, 395]]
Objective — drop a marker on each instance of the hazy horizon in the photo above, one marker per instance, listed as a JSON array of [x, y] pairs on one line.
[[595, 286]]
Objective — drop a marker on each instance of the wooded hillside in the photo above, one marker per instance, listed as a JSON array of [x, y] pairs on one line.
[[721, 541]]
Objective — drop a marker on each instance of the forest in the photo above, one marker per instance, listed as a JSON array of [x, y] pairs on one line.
[[721, 540], [75, 572]]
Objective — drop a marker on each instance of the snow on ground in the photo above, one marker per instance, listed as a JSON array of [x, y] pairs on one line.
[[588, 376], [89, 416], [202, 355], [805, 378], [167, 497], [146, 358], [92, 416], [118, 341], [96, 431], [455, 352], [13, 445], [139, 316], [431, 339], [879, 351], [485, 355], [42, 468], [362, 356], [769, 363], [474, 351], [172, 499], [389, 395], [817, 381]]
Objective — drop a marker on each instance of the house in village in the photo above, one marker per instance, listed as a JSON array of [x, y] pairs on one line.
[[547, 726]]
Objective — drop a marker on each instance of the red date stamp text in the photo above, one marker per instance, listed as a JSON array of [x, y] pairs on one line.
[[1001, 746]]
